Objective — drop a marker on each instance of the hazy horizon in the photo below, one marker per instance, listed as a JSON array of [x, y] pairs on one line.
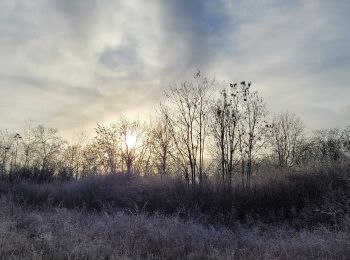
[[71, 64]]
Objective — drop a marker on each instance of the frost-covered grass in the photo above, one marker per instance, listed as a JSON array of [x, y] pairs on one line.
[[299, 215], [58, 233]]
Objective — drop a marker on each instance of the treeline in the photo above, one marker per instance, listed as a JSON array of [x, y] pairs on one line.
[[202, 130]]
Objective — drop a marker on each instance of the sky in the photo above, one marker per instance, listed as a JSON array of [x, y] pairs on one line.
[[71, 64]]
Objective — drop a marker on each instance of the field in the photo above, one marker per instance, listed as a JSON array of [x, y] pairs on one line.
[[302, 215]]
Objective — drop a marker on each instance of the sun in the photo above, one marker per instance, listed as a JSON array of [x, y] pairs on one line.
[[131, 140]]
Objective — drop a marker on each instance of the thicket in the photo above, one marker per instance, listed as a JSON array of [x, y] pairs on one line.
[[300, 198]]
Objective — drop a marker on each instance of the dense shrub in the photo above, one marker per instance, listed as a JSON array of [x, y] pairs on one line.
[[36, 175], [302, 197]]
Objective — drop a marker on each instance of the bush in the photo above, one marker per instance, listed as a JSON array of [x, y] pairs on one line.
[[304, 196]]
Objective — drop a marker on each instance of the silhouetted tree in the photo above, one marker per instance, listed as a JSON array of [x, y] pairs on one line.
[[162, 142], [329, 145], [252, 126], [226, 115], [93, 162], [6, 146], [188, 110], [287, 134], [48, 145], [108, 144], [346, 140], [72, 156]]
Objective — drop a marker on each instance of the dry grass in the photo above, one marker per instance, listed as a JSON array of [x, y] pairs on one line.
[[59, 233], [303, 215], [302, 198]]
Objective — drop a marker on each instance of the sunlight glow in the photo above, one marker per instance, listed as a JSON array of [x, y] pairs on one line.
[[131, 140]]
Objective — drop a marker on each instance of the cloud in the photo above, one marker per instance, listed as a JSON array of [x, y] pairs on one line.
[[196, 29], [70, 64], [117, 58]]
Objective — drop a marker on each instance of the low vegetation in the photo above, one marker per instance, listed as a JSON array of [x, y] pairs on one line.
[[121, 216], [307, 198], [59, 233]]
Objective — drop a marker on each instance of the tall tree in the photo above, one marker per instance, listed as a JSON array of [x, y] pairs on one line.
[[287, 134], [329, 145], [188, 109], [226, 115], [48, 145], [252, 125], [6, 148], [162, 142], [108, 143]]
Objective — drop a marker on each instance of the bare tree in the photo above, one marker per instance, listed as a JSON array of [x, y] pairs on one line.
[[93, 162], [346, 140], [28, 142], [328, 144], [108, 142], [6, 147], [48, 145], [72, 156], [133, 144], [162, 142], [188, 112], [226, 116], [252, 125], [287, 134]]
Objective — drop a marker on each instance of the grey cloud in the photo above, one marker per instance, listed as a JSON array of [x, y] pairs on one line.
[[80, 15], [119, 57], [73, 63], [194, 32]]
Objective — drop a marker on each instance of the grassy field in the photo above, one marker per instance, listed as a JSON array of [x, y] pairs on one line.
[[59, 233], [304, 215]]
